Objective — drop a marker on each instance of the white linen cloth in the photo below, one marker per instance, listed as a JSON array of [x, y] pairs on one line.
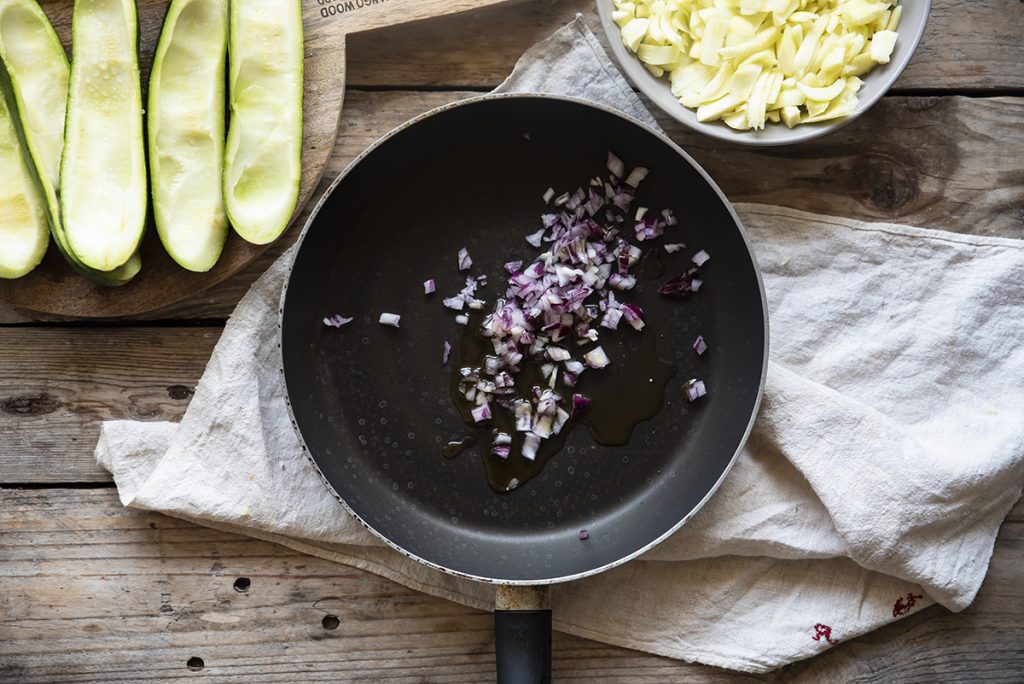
[[888, 449]]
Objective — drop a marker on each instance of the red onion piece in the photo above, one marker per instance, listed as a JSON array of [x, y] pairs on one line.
[[481, 413], [699, 345], [616, 166], [584, 535], [389, 319], [580, 404], [446, 353], [680, 285], [530, 445], [596, 358], [336, 321], [429, 286], [701, 258], [465, 262], [695, 389], [674, 247], [636, 176]]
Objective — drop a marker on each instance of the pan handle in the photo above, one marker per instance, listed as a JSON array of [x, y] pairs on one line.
[[522, 635]]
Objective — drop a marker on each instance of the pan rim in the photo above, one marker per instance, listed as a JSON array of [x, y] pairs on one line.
[[664, 139]]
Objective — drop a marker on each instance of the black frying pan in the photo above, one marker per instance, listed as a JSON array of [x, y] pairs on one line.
[[372, 404]]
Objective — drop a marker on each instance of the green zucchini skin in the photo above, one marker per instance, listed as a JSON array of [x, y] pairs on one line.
[[263, 155], [33, 78], [186, 132], [24, 231], [103, 188]]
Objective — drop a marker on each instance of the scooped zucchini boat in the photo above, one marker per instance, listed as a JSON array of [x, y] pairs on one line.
[[185, 126], [263, 156], [24, 232], [103, 171], [34, 72]]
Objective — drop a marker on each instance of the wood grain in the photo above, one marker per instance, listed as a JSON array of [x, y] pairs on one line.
[[56, 385], [96, 592], [968, 45]]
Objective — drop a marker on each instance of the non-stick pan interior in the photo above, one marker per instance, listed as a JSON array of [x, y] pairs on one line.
[[373, 403]]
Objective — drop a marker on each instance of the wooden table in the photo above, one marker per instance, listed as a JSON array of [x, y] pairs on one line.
[[90, 591]]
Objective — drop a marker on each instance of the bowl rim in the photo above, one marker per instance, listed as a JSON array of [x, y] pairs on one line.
[[650, 86]]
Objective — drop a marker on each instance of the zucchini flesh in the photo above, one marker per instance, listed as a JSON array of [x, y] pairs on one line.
[[186, 132], [34, 76], [24, 232], [34, 71], [103, 171], [263, 156]]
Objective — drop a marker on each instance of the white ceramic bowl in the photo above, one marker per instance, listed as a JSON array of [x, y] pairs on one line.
[[876, 83]]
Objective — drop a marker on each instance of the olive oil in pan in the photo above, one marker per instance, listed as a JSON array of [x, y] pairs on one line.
[[625, 393]]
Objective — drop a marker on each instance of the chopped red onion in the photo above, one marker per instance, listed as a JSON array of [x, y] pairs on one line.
[[695, 389], [616, 166], [535, 238], [584, 535], [580, 404], [545, 305], [389, 319], [456, 303], [636, 176], [611, 319], [673, 247], [530, 445], [558, 354], [699, 345], [680, 285], [648, 229], [634, 315], [596, 358], [429, 286], [336, 321], [701, 257], [446, 353], [670, 217], [481, 413]]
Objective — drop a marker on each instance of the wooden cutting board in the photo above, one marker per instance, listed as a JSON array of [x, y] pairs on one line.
[[54, 288]]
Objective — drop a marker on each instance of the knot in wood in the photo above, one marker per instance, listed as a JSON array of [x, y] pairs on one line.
[[885, 181], [30, 404]]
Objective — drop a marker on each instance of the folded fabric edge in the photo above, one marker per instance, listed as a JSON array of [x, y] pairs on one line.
[[888, 227]]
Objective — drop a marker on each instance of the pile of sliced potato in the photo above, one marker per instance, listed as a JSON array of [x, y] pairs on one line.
[[748, 62], [72, 153]]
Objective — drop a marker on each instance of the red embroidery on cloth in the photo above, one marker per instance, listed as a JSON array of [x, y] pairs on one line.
[[824, 631], [900, 608]]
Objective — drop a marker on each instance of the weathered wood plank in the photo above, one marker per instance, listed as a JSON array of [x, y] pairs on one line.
[[56, 385], [96, 592], [967, 46]]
